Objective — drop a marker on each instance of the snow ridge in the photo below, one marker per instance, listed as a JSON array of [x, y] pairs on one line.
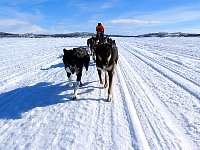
[[155, 101]]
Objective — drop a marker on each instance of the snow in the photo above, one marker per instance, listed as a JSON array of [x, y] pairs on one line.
[[155, 105]]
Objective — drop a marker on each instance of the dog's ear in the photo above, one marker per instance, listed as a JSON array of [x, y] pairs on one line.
[[114, 46], [64, 50]]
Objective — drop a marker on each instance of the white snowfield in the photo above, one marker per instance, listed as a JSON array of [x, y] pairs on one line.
[[155, 102]]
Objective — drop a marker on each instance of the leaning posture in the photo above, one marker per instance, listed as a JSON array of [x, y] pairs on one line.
[[74, 60], [100, 32], [106, 60]]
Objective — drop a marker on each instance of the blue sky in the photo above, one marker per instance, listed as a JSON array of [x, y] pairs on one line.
[[125, 17]]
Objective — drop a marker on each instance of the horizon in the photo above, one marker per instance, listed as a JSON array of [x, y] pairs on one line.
[[105, 34], [119, 17]]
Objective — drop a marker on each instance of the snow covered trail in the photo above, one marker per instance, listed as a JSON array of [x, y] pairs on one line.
[[168, 90], [155, 97]]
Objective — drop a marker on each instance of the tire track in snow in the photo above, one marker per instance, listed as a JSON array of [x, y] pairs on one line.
[[165, 54], [179, 102], [148, 103], [166, 63], [138, 133], [100, 128], [120, 119], [79, 124], [185, 84]]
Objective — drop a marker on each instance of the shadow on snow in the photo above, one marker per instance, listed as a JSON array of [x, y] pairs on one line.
[[59, 65], [16, 102]]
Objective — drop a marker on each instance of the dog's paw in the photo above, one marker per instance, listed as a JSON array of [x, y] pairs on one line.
[[74, 97], [81, 84], [109, 98], [105, 85], [70, 84]]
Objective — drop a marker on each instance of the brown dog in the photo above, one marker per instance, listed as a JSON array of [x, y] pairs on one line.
[[106, 60]]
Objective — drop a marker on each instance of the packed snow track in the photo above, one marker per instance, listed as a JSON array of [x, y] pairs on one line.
[[155, 101]]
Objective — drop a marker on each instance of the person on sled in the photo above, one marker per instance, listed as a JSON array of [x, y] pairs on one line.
[[100, 32]]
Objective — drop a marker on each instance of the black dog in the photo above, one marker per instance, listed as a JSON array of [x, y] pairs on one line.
[[106, 60], [91, 44], [74, 60]]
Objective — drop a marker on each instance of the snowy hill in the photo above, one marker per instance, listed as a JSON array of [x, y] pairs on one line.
[[156, 97], [31, 35], [87, 34], [166, 34]]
